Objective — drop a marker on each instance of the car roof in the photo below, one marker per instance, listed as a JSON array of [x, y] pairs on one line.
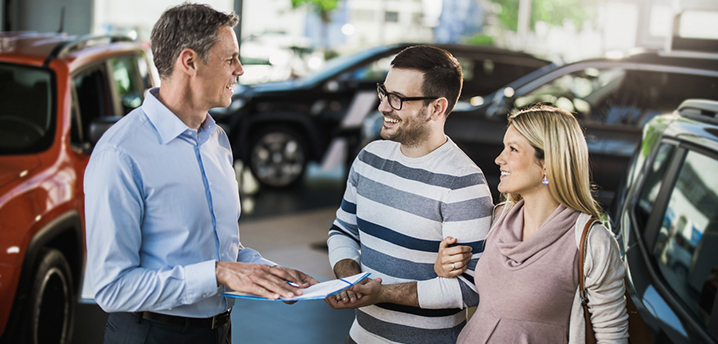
[[30, 44], [41, 48], [470, 48], [694, 121], [673, 59]]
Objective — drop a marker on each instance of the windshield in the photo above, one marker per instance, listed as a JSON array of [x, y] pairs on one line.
[[26, 120], [339, 64]]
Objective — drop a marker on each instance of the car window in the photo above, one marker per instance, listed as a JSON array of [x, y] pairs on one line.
[[619, 97], [483, 76], [653, 181], [26, 118], [375, 71], [587, 93], [662, 92], [145, 72], [92, 96], [126, 77], [686, 250]]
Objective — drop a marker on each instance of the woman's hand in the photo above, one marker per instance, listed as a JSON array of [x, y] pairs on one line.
[[452, 261]]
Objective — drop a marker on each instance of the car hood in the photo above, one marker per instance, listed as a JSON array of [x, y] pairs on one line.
[[13, 167]]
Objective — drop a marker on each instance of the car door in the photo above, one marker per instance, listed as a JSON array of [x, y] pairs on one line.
[[672, 256], [101, 94]]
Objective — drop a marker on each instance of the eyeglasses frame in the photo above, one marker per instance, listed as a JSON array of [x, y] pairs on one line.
[[381, 89]]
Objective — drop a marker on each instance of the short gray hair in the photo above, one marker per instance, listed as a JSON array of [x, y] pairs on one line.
[[192, 26]]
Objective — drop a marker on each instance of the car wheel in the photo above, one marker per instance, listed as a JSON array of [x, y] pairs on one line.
[[48, 317], [278, 157]]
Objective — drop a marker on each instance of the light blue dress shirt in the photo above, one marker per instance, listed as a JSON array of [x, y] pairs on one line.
[[161, 207]]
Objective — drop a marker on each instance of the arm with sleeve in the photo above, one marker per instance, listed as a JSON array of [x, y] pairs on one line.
[[604, 272], [467, 217], [115, 212], [343, 241]]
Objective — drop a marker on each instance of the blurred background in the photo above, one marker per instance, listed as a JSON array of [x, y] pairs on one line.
[[320, 60], [281, 39]]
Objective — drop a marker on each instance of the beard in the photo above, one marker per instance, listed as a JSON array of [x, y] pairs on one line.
[[410, 131]]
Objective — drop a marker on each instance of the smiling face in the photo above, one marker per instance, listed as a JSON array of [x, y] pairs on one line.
[[407, 126], [521, 171], [216, 78]]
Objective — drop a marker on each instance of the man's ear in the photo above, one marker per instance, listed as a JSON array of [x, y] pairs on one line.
[[187, 61], [438, 108]]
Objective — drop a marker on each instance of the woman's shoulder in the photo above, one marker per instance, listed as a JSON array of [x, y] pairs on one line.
[[598, 233]]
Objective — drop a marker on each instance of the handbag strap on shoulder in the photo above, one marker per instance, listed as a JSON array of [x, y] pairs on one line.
[[582, 258]]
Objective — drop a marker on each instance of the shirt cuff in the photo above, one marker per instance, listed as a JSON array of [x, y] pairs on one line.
[[203, 281], [439, 293]]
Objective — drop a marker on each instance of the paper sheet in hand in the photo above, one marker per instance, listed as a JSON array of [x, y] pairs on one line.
[[316, 292]]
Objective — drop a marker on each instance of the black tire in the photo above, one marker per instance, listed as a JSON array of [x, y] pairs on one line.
[[50, 306], [278, 156]]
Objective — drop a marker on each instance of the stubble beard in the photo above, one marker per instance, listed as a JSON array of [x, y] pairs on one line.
[[413, 131]]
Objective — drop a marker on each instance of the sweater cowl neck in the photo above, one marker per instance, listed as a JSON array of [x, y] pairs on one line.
[[517, 254]]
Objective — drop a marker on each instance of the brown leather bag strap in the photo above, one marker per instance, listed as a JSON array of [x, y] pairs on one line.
[[582, 257], [590, 334]]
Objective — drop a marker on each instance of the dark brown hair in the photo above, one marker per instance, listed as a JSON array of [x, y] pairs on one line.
[[442, 72]]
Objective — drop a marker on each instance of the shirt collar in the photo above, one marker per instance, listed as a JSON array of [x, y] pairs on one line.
[[167, 124]]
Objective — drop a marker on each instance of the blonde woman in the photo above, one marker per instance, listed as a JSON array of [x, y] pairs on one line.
[[527, 277]]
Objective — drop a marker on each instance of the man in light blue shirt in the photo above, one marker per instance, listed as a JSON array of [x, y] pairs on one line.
[[162, 201]]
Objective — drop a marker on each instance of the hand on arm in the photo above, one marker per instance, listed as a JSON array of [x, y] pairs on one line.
[[345, 268], [452, 261], [260, 279], [374, 292]]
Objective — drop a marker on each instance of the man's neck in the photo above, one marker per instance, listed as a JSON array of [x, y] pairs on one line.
[[425, 147], [179, 100]]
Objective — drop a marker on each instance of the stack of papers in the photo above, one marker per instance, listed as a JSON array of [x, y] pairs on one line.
[[316, 292]]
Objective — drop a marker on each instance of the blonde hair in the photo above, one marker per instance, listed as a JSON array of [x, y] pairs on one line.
[[560, 143]]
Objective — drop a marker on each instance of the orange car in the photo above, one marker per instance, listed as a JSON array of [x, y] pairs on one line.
[[58, 94]]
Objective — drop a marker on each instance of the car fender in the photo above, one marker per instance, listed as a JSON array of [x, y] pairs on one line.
[[67, 226]]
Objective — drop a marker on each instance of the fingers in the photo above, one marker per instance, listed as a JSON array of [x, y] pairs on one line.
[[255, 278], [301, 279], [446, 242], [347, 296], [358, 295]]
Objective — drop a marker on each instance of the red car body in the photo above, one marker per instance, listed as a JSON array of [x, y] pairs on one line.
[[41, 190]]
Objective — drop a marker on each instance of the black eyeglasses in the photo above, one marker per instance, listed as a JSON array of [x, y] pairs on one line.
[[396, 101]]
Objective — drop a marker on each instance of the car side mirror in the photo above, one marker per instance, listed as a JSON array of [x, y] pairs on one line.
[[99, 127]]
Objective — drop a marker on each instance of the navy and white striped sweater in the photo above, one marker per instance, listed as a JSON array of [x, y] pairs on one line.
[[395, 212]]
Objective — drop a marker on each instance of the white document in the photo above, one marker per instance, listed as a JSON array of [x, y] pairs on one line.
[[316, 292]]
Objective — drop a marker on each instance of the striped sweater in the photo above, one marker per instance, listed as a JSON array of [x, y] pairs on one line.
[[395, 212]]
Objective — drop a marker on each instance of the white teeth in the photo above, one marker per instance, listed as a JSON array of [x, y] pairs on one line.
[[387, 119], [505, 173]]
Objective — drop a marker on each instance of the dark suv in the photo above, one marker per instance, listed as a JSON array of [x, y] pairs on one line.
[[612, 98], [276, 128], [58, 93], [667, 225]]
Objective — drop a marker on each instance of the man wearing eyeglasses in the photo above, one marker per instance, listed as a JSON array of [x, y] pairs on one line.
[[404, 195]]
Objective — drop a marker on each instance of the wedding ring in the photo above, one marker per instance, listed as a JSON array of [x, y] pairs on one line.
[[453, 267]]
